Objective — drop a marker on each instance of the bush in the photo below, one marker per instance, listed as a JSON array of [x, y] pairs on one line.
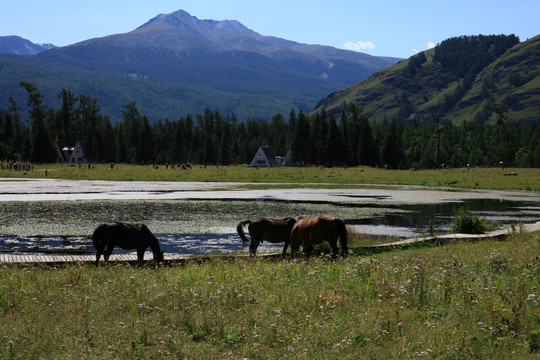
[[469, 223]]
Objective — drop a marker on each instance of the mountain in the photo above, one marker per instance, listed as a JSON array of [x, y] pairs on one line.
[[459, 79], [19, 46], [176, 63]]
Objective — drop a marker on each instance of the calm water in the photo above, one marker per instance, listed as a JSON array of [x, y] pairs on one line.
[[209, 226]]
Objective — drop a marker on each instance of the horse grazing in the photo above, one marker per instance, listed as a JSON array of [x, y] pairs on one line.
[[312, 231], [125, 236], [272, 230]]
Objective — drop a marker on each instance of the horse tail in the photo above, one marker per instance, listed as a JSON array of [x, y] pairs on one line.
[[342, 237], [240, 231]]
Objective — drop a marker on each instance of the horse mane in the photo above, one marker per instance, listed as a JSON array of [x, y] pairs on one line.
[[240, 231]]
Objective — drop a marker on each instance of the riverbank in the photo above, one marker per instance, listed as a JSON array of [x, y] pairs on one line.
[[293, 177]]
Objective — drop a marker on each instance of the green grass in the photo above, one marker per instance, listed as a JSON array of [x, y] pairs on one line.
[[460, 301], [487, 178]]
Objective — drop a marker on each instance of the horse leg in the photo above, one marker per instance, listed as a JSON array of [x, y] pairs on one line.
[[308, 249], [294, 242], [98, 255], [285, 249], [140, 255], [253, 246], [335, 249], [108, 253]]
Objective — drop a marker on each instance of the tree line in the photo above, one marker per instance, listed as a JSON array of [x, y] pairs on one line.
[[350, 139]]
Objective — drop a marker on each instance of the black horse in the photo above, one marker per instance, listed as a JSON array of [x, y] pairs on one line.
[[125, 236], [271, 230]]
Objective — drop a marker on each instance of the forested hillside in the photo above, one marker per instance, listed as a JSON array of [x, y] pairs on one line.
[[348, 139], [459, 80]]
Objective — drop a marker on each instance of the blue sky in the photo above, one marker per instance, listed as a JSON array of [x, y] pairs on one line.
[[377, 27]]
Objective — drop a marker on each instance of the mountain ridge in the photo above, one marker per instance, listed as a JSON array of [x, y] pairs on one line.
[[249, 74]]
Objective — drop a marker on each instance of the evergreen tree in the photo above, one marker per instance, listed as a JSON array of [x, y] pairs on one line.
[[130, 132], [179, 144], [292, 124], [13, 133], [209, 152], [319, 134], [354, 130], [147, 152], [334, 144], [301, 145], [88, 110], [279, 130], [506, 152], [41, 145], [224, 156], [109, 146], [367, 149], [392, 150], [64, 124]]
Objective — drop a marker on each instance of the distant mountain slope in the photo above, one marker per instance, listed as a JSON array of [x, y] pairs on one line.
[[421, 86], [225, 66], [19, 46]]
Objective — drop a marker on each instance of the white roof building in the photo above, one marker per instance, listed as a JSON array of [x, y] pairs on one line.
[[264, 157]]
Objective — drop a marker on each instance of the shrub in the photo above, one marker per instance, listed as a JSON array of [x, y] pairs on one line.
[[469, 223]]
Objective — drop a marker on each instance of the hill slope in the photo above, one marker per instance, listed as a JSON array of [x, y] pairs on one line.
[[423, 85], [176, 63]]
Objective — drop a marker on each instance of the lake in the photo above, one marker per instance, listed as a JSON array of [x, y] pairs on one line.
[[200, 218]]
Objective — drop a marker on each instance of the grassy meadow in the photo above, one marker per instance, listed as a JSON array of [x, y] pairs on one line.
[[487, 178], [465, 300]]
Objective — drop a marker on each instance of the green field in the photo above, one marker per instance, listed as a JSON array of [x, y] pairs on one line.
[[486, 178], [467, 300]]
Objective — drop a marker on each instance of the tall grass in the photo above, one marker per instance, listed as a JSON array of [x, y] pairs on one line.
[[467, 300], [493, 178]]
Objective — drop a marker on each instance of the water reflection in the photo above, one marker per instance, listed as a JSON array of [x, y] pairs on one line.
[[209, 226]]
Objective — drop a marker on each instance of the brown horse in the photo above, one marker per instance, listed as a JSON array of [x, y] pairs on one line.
[[125, 236], [271, 230], [309, 232]]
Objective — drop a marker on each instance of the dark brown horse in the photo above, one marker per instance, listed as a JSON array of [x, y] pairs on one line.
[[312, 231], [272, 230], [125, 236]]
